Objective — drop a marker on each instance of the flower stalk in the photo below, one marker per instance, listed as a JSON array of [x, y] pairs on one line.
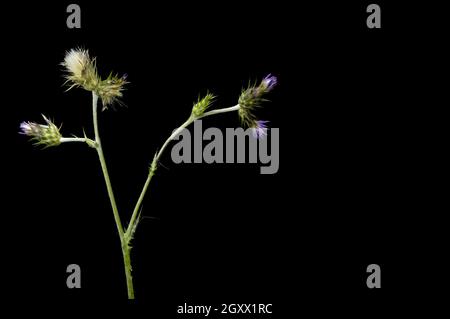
[[123, 240], [73, 139]]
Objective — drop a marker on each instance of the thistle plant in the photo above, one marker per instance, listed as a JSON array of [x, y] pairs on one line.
[[81, 72]]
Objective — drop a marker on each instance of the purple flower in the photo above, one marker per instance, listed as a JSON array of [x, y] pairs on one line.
[[26, 128], [42, 134], [260, 129], [269, 82], [31, 128]]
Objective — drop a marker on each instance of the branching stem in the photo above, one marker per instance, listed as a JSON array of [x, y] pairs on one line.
[[157, 157]]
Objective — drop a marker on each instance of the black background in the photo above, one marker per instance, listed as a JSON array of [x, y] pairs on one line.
[[347, 194]]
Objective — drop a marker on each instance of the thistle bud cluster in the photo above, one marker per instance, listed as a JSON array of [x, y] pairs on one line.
[[251, 99], [81, 71]]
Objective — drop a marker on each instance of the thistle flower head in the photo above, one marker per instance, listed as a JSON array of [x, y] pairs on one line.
[[76, 61], [260, 129], [252, 98], [42, 134], [202, 105], [110, 89], [81, 69]]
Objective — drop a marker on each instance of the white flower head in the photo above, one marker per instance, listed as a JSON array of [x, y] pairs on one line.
[[76, 61], [81, 69]]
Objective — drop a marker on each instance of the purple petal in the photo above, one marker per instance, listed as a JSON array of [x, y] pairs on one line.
[[270, 81], [260, 130], [25, 127]]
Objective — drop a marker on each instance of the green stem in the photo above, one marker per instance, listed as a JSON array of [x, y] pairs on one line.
[[150, 175], [127, 263], [154, 164], [101, 157], [123, 241], [224, 110], [72, 139]]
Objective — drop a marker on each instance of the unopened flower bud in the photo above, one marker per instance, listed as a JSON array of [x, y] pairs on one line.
[[202, 105], [110, 90]]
